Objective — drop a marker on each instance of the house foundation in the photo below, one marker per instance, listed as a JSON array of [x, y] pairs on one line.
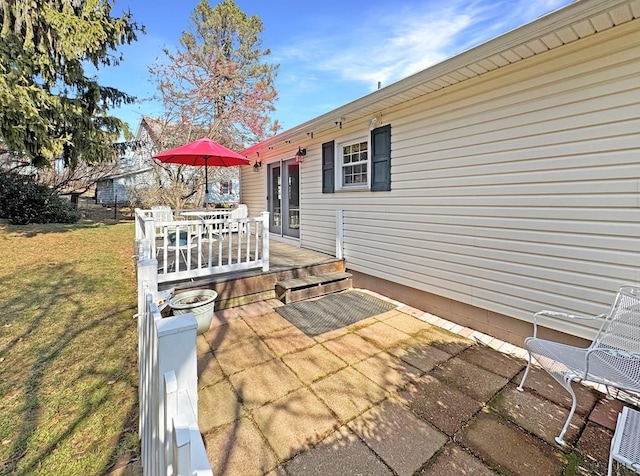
[[508, 329]]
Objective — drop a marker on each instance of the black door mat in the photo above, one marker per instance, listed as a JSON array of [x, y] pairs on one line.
[[333, 311]]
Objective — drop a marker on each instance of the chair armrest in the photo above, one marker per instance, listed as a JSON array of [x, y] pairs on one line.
[[564, 315], [561, 315]]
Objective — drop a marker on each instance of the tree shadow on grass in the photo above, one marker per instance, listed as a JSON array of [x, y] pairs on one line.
[[69, 380], [30, 231]]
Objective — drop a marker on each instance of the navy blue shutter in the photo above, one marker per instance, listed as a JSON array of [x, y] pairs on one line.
[[328, 156], [381, 159]]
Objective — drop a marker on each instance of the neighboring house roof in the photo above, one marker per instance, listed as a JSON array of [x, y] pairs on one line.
[[156, 128], [578, 20]]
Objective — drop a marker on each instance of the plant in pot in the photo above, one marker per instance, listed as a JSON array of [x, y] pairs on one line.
[[201, 302]]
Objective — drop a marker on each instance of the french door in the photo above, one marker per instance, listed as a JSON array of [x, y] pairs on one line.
[[284, 198]]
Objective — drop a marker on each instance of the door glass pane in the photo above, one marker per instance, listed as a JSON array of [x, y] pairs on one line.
[[276, 198], [294, 195]]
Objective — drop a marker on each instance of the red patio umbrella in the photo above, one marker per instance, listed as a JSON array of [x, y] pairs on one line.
[[203, 152]]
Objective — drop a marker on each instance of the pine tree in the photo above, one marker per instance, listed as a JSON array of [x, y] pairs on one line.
[[49, 107]]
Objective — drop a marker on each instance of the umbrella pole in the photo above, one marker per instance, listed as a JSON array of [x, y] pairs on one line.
[[206, 179]]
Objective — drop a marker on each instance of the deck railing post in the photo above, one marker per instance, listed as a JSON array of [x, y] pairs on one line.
[[150, 235], [176, 351], [265, 241], [138, 230], [339, 234], [147, 287]]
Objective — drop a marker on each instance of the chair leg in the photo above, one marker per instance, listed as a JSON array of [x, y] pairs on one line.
[[560, 438], [520, 387]]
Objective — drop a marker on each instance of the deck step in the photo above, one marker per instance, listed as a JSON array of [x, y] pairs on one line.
[[308, 287]]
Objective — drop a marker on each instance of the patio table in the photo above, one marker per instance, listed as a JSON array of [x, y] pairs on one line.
[[215, 214]]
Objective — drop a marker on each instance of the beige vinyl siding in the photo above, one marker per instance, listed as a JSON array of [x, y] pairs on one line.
[[514, 191], [253, 188]]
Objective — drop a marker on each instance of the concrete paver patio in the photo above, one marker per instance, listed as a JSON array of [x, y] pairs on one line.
[[396, 394]]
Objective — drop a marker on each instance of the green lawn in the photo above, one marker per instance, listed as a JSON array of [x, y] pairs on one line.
[[68, 358]]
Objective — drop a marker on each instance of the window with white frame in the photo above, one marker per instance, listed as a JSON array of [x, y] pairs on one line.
[[345, 164], [354, 157]]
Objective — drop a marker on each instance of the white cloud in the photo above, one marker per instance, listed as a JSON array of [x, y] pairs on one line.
[[387, 46]]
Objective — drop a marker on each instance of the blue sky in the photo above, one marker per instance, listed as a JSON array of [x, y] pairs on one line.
[[330, 52]]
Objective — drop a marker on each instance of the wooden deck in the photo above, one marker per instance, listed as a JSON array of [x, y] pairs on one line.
[[286, 262]]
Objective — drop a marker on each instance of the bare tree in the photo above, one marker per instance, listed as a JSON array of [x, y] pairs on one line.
[[215, 85]]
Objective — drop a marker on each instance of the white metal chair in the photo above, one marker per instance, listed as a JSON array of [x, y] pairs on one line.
[[241, 211], [612, 359], [625, 444], [179, 242], [161, 213]]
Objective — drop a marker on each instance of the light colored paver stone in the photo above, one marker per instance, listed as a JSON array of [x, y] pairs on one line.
[[465, 332], [537, 415], [388, 371], [348, 393], [453, 460], [341, 453], [295, 422], [266, 323], [481, 337], [209, 371], [362, 323], [383, 335], [495, 344], [403, 441], [410, 310], [290, 339], [325, 336], [217, 405], [351, 348], [228, 334], [224, 316], [442, 405], [243, 355], [422, 356], [448, 325], [387, 315], [202, 346], [407, 323], [238, 449], [313, 363], [510, 448], [507, 348], [264, 383], [254, 309], [274, 303], [474, 381]]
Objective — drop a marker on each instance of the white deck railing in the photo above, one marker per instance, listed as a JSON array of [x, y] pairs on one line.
[[171, 443], [188, 249]]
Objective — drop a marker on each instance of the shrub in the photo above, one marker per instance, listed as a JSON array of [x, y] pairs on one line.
[[22, 201]]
